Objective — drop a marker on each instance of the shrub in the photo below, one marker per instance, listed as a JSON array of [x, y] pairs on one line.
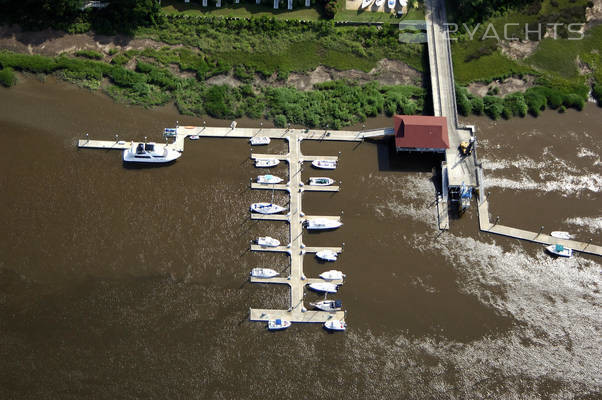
[[462, 100], [597, 93], [7, 77], [515, 105], [477, 105], [493, 106], [91, 54], [120, 59], [280, 121]]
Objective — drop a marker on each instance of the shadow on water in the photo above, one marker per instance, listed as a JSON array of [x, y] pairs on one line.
[[135, 166], [390, 160]]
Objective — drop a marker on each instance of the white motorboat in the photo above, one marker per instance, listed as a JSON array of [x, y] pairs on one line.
[[324, 287], [332, 275], [269, 179], [263, 273], [266, 241], [194, 137], [151, 153], [559, 250], [327, 305], [278, 324], [379, 3], [562, 235], [327, 255], [366, 3], [259, 140], [322, 223], [391, 4], [325, 164], [266, 162], [403, 3], [335, 325], [321, 181], [266, 208]]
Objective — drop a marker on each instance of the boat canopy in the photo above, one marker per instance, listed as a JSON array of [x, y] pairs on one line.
[[559, 247], [338, 303], [279, 321]]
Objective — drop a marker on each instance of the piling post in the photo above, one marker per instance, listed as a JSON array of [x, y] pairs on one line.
[[116, 138], [540, 231], [87, 138]]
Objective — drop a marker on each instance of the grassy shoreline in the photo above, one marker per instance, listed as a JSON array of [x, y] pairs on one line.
[[333, 104]]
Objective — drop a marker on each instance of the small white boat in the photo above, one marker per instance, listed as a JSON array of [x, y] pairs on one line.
[[269, 179], [327, 255], [366, 3], [379, 3], [327, 305], [324, 164], [263, 273], [391, 4], [324, 287], [278, 324], [562, 235], [259, 140], [151, 153], [266, 162], [321, 181], [403, 3], [335, 325], [194, 137], [266, 208], [322, 223], [332, 275], [559, 250], [266, 241]]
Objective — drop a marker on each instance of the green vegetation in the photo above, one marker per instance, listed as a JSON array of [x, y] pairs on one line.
[[333, 104], [91, 54], [7, 77], [564, 69], [268, 45], [319, 9]]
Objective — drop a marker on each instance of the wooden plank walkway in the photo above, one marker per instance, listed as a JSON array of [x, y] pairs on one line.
[[537, 237], [297, 314], [296, 280]]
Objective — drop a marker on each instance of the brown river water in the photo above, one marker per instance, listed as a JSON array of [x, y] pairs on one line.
[[123, 283]]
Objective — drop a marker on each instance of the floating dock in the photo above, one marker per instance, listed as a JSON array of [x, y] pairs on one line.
[[486, 225], [297, 312]]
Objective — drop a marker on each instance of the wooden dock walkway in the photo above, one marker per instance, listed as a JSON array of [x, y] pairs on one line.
[[297, 281], [537, 237]]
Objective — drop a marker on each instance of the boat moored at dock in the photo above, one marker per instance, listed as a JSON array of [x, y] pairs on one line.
[[259, 140], [278, 324], [266, 241], [559, 250], [324, 287], [366, 3], [322, 224], [266, 162], [561, 235], [150, 153], [269, 179], [335, 325], [263, 273], [327, 305], [327, 255], [321, 181], [324, 164], [332, 275], [266, 208]]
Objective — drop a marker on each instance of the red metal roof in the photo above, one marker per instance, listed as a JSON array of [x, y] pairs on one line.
[[421, 132]]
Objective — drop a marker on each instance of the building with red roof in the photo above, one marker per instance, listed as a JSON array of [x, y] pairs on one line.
[[421, 133]]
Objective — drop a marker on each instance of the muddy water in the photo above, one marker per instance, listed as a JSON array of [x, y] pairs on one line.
[[132, 283]]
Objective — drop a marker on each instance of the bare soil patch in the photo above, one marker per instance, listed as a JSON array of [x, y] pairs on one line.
[[507, 86]]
